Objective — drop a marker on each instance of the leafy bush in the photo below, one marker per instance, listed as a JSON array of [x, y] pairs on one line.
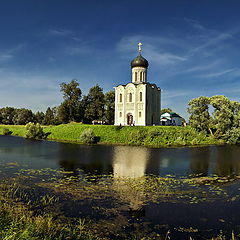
[[88, 136], [35, 131], [6, 131], [232, 136]]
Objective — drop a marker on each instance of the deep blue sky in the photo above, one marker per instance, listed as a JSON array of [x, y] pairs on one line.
[[193, 48]]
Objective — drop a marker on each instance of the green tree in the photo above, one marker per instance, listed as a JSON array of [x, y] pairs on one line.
[[94, 104], [49, 117], [22, 116], [55, 111], [7, 115], [72, 95], [165, 110], [109, 106], [199, 115], [236, 114], [39, 116], [224, 122], [63, 113], [223, 114]]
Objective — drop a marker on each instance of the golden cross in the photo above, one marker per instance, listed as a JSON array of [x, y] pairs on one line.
[[139, 47]]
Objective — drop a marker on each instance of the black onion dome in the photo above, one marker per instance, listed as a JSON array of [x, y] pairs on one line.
[[139, 61]]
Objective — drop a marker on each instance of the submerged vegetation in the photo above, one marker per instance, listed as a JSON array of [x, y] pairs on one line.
[[48, 204], [155, 136]]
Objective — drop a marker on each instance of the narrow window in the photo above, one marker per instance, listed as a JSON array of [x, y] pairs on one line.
[[130, 97], [144, 76], [141, 76], [120, 114], [120, 100], [135, 77], [140, 97], [140, 114]]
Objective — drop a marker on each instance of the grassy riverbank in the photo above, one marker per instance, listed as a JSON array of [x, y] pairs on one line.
[[156, 136], [20, 218]]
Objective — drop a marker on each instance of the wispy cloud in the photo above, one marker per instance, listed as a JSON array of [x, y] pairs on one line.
[[195, 24], [155, 48], [7, 54], [202, 67], [81, 49], [210, 41], [170, 94], [25, 90], [218, 74], [66, 33], [61, 32]]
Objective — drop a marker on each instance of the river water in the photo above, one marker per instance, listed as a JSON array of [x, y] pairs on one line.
[[199, 220]]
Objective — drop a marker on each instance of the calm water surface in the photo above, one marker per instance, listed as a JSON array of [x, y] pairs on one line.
[[133, 162]]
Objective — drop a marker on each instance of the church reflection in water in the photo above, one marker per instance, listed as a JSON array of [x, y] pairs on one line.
[[130, 161], [135, 162], [129, 166]]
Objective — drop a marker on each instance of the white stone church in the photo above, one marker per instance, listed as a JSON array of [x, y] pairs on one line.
[[138, 102]]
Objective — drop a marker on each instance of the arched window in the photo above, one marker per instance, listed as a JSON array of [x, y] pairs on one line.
[[120, 97], [140, 96], [140, 114], [130, 97], [141, 76], [120, 114], [135, 76]]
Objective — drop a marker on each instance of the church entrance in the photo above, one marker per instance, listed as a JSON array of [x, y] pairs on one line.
[[129, 119]]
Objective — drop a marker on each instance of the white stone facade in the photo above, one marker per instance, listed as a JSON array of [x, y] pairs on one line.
[[137, 103]]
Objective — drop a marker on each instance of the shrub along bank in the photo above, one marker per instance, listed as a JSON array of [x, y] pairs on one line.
[[156, 136]]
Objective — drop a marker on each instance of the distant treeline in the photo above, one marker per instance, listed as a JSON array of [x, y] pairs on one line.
[[74, 108]]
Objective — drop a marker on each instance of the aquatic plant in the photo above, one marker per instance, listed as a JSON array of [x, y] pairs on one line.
[[33, 203]]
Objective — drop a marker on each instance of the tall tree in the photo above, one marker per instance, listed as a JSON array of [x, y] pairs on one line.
[[236, 113], [223, 114], [109, 106], [49, 117], [63, 113], [72, 96], [95, 104], [39, 116], [199, 115]]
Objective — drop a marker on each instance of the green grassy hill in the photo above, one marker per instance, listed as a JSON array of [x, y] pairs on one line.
[[156, 136]]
